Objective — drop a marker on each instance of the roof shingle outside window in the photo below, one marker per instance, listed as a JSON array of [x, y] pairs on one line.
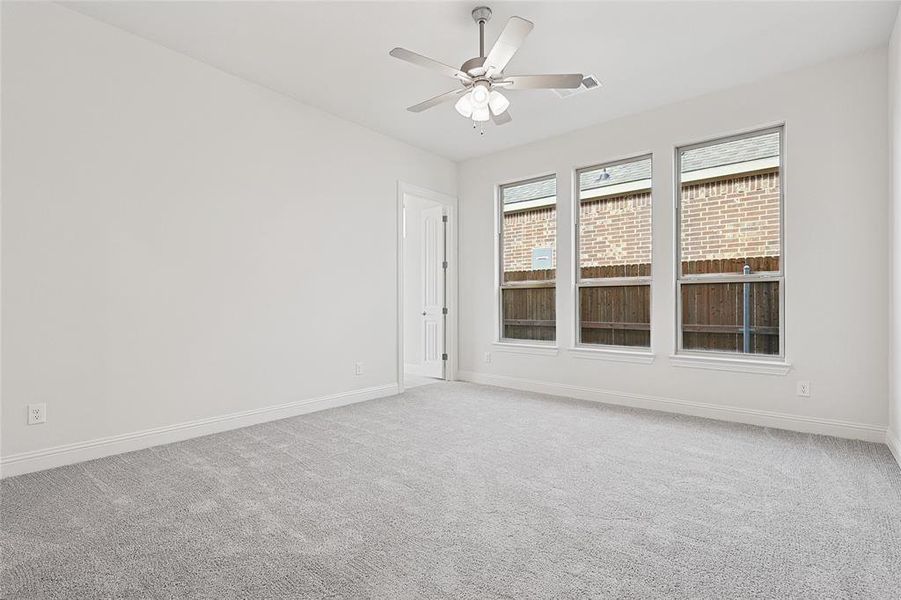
[[697, 159], [534, 190], [730, 153], [637, 170]]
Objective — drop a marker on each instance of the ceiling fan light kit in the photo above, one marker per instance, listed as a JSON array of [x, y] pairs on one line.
[[498, 102], [482, 77]]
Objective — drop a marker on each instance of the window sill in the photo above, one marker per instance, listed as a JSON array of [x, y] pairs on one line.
[[736, 365], [533, 349], [612, 354]]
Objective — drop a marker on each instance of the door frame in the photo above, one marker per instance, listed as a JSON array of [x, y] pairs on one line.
[[450, 341]]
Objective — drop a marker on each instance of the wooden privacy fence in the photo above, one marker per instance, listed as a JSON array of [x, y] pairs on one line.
[[712, 313], [758, 264], [530, 313]]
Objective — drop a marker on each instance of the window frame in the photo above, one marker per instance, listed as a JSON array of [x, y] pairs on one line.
[[499, 265], [579, 282], [682, 279]]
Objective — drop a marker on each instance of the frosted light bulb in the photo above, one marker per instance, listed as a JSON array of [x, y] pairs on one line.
[[480, 113], [498, 102], [480, 95], [464, 105]]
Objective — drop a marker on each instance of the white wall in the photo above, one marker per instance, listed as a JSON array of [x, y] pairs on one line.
[[894, 83], [835, 256], [179, 244]]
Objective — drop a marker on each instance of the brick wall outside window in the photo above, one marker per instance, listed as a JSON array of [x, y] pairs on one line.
[[525, 230], [735, 217], [615, 230], [731, 218]]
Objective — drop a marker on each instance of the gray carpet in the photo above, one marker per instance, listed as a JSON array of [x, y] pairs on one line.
[[462, 491]]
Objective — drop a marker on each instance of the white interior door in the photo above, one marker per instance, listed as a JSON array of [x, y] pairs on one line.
[[433, 291]]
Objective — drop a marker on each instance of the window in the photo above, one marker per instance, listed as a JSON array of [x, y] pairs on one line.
[[614, 254], [528, 260], [730, 275]]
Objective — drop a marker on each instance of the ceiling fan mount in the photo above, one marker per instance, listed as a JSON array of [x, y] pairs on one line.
[[481, 14], [481, 78]]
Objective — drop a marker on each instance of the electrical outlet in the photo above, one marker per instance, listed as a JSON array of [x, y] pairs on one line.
[[358, 368], [37, 414], [487, 357], [804, 389]]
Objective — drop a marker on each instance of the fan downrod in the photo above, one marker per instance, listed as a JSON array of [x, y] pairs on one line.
[[475, 66]]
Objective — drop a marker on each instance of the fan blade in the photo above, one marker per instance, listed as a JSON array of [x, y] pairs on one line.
[[445, 97], [509, 41], [428, 63], [540, 82], [502, 118]]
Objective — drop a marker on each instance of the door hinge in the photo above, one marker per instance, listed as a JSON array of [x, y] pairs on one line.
[[444, 311], [444, 265], [444, 356], [444, 218]]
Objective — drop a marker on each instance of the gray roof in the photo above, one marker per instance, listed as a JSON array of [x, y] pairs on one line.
[[533, 190], [637, 170], [695, 159], [729, 153]]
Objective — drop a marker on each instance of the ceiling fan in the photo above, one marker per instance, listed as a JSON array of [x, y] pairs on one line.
[[479, 98]]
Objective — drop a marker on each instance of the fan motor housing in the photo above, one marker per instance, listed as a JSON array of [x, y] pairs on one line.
[[474, 67]]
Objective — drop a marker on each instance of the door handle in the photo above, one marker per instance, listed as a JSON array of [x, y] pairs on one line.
[[423, 313]]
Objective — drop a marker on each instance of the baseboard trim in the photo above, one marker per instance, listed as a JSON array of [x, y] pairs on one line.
[[805, 424], [893, 441], [48, 458]]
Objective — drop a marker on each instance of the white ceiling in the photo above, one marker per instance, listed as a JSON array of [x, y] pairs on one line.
[[334, 55]]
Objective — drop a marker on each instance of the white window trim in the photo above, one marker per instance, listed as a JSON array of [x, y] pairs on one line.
[[621, 354], [619, 189], [760, 164], [712, 359], [530, 204], [731, 362], [609, 351]]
